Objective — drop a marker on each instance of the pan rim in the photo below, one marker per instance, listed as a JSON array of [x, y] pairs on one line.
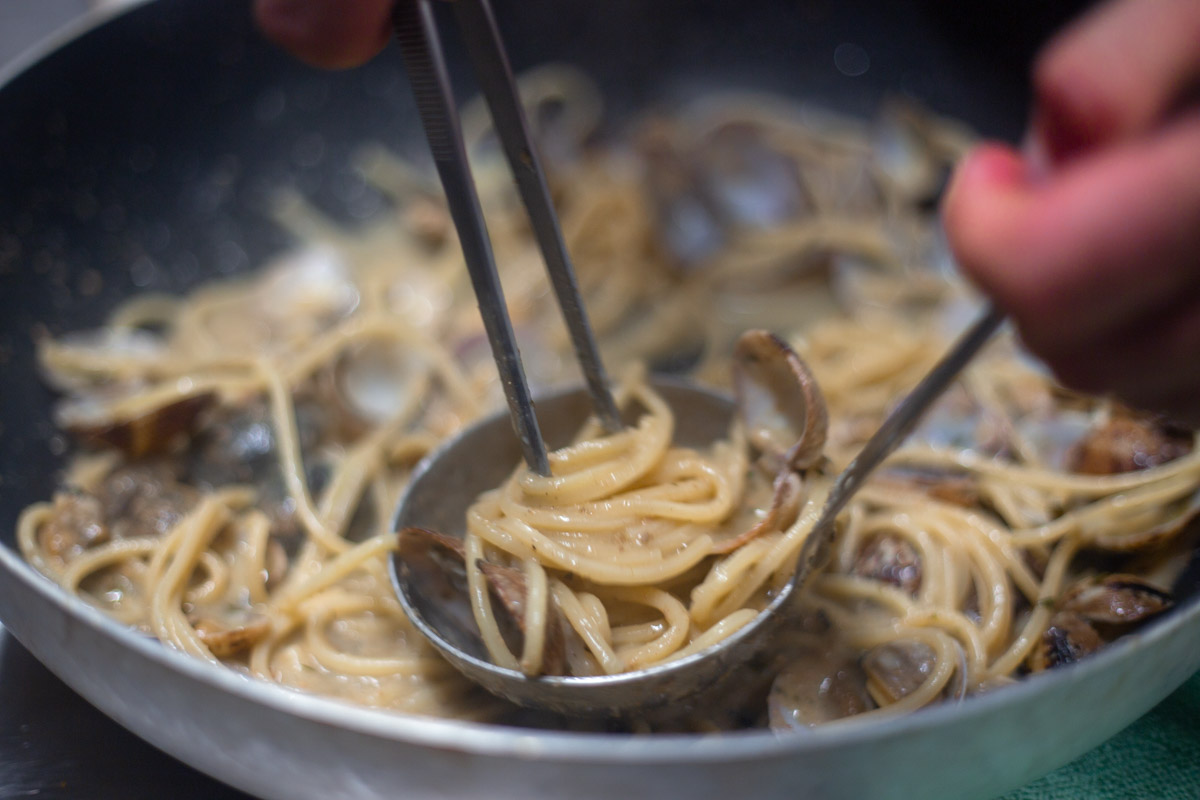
[[503, 741], [62, 36]]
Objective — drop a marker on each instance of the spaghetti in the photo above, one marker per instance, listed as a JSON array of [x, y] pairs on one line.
[[246, 443]]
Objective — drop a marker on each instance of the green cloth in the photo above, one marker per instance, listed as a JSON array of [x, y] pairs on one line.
[[1155, 758]]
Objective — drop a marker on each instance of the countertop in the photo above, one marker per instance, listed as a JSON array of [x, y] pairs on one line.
[[53, 744]]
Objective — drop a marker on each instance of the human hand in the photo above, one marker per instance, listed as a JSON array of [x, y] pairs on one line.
[[334, 34], [1098, 262]]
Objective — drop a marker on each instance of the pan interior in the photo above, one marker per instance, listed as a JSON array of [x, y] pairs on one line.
[[145, 155]]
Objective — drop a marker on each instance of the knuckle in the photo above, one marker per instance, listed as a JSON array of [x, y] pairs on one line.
[[1074, 103]]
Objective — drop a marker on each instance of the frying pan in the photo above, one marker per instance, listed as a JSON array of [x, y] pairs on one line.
[[143, 155]]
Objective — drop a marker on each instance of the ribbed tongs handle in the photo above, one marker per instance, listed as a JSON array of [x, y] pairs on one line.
[[495, 78], [426, 66]]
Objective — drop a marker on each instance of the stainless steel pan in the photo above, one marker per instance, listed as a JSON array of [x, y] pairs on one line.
[[142, 155]]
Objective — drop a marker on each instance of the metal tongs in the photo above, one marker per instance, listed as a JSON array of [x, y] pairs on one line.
[[421, 48]]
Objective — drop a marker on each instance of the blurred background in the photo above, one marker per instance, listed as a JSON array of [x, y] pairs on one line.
[[1016, 27]]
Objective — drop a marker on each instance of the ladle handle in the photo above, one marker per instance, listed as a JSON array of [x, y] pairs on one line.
[[895, 429], [426, 67]]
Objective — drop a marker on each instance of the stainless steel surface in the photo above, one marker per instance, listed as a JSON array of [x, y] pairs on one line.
[[455, 474]]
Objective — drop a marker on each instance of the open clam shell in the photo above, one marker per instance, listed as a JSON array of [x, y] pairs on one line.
[[1180, 517], [97, 420], [779, 402], [437, 561]]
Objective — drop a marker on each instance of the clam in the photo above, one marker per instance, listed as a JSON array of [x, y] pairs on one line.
[[374, 382], [1046, 433], [1067, 639], [948, 485], [889, 559], [731, 179], [1071, 439], [139, 501], [750, 183], [783, 411], [786, 500], [1179, 516], [312, 283], [897, 669], [779, 402], [144, 500], [956, 421], [1128, 443], [689, 223], [1116, 600], [1055, 434], [844, 183], [820, 685], [903, 155], [239, 446], [1093, 612], [228, 637], [97, 419], [436, 562], [76, 522]]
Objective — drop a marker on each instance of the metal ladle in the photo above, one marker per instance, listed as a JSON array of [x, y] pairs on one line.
[[481, 456]]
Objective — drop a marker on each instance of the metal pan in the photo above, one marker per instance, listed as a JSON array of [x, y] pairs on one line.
[[142, 155]]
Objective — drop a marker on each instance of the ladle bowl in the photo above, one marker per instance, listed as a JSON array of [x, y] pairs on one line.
[[481, 457]]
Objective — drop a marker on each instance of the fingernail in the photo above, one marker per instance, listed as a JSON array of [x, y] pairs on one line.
[[998, 165], [989, 166]]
